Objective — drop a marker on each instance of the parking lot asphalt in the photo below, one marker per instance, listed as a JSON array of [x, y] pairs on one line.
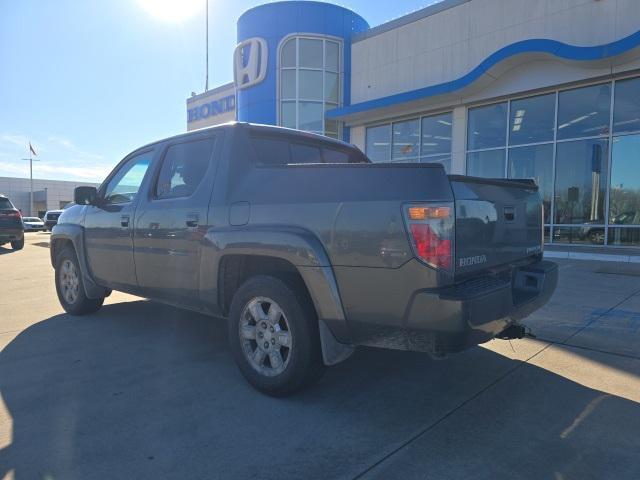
[[141, 390]]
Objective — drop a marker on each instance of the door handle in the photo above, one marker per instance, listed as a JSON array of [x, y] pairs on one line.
[[124, 221], [509, 214], [192, 220]]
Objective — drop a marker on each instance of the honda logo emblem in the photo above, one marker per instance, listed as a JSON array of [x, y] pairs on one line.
[[250, 62]]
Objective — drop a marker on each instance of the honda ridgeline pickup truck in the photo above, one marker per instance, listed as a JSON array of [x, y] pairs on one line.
[[307, 248]]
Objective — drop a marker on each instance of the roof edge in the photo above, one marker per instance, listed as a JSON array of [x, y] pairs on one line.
[[427, 11]]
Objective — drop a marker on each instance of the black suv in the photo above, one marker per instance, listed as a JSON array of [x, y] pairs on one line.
[[11, 227]]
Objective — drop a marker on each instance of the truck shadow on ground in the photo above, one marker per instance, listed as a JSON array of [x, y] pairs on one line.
[[141, 390]]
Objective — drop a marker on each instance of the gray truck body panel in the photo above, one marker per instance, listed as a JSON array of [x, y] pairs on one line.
[[341, 227]]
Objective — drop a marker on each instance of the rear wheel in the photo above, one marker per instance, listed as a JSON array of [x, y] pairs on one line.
[[18, 244], [273, 333], [70, 288]]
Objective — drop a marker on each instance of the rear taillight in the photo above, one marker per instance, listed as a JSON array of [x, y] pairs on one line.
[[431, 232], [15, 214]]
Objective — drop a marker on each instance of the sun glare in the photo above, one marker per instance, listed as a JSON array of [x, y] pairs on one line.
[[172, 10]]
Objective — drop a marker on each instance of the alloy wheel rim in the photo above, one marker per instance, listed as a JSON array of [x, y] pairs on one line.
[[265, 336], [69, 281]]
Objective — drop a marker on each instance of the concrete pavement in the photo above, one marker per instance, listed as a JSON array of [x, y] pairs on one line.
[[141, 390]]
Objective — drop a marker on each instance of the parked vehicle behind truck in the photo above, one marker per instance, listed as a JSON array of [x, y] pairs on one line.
[[306, 248], [11, 227]]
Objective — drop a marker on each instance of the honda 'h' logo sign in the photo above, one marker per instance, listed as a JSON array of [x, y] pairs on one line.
[[250, 62]]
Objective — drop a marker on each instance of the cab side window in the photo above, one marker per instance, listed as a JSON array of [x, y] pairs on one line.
[[271, 151], [183, 168], [334, 155], [124, 185], [301, 153]]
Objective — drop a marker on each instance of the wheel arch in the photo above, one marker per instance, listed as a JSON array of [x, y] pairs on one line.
[[73, 236], [291, 254]]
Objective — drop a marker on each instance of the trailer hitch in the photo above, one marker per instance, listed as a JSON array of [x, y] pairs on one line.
[[515, 331]]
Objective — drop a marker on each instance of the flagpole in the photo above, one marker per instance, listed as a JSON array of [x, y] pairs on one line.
[[31, 152], [206, 84], [30, 183]]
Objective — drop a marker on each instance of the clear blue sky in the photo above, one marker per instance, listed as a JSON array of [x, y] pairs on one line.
[[88, 81]]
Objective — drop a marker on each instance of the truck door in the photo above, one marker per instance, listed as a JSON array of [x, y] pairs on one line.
[[109, 225], [172, 221]]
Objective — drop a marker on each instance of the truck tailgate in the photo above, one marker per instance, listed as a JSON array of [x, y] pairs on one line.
[[498, 221]]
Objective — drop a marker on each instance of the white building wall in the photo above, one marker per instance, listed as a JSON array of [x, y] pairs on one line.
[[47, 194], [459, 141], [358, 137], [448, 44]]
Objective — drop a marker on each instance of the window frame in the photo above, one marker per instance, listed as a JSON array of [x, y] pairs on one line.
[[153, 190], [102, 190], [297, 99], [419, 158], [612, 81]]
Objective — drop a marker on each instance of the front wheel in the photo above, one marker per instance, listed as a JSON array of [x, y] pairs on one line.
[[273, 334], [70, 288]]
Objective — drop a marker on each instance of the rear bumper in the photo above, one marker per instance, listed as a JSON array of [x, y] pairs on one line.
[[11, 234], [473, 312]]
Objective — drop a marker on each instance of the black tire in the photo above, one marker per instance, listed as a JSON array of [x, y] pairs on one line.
[[18, 244], [304, 364], [81, 304]]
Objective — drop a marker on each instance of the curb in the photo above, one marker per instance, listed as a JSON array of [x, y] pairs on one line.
[[602, 257]]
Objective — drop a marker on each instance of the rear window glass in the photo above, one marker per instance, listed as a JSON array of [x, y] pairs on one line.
[[336, 155], [30, 219], [305, 154], [5, 204], [183, 168], [271, 151], [281, 151]]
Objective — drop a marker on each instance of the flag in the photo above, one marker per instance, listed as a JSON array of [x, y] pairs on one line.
[[32, 150]]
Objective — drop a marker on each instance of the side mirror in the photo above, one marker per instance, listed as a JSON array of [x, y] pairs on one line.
[[85, 195]]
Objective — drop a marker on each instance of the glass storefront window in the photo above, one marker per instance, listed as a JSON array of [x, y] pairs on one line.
[[331, 87], [488, 164], [332, 56], [436, 134], [331, 128], [565, 141], [584, 112], [288, 84], [626, 111], [487, 126], [586, 235], [624, 236], [288, 54], [624, 194], [310, 53], [378, 143], [581, 179], [532, 119], [310, 116], [444, 160], [309, 84], [288, 114], [534, 162], [426, 139], [406, 140]]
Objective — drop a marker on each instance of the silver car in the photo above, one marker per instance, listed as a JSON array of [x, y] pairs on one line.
[[32, 224]]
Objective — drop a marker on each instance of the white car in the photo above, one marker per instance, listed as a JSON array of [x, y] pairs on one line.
[[51, 218], [32, 224]]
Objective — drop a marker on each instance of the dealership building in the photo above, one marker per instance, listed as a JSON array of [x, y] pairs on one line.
[[544, 89], [47, 194]]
